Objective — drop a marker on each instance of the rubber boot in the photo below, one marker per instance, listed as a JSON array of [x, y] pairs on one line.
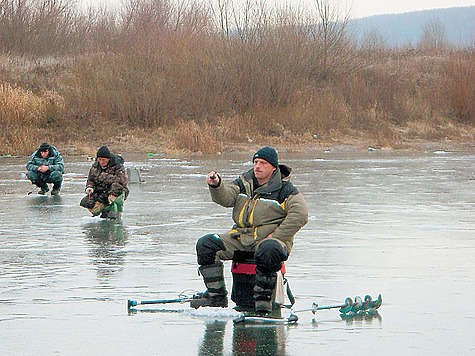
[[216, 294], [43, 188], [263, 289], [109, 214]]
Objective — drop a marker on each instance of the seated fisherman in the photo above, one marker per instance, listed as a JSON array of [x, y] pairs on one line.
[[106, 185], [46, 166], [267, 211]]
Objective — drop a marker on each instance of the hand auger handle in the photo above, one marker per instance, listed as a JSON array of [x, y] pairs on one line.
[[316, 308], [133, 303]]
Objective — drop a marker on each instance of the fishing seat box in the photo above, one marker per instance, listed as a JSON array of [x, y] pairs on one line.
[[243, 269]]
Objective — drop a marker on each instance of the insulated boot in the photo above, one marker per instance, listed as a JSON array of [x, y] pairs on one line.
[[43, 189], [216, 294], [263, 289]]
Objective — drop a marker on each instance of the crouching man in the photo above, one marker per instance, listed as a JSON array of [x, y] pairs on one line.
[[267, 212], [106, 186], [46, 166]]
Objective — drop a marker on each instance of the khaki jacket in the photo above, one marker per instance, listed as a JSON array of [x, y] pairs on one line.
[[276, 208]]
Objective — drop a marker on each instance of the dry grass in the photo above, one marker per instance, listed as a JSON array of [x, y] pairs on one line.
[[159, 77], [26, 118]]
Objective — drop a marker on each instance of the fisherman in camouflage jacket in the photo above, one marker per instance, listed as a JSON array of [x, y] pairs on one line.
[[106, 181], [46, 166]]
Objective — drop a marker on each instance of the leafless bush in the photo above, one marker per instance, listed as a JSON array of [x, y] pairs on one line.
[[38, 27], [236, 70], [459, 85]]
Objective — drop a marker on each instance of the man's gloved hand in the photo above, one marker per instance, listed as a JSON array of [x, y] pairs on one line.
[[213, 179], [89, 190]]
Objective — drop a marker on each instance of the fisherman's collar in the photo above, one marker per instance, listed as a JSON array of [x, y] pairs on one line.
[[274, 182]]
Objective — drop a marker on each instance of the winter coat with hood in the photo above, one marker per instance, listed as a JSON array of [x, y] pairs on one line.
[[54, 161], [107, 180], [276, 208]]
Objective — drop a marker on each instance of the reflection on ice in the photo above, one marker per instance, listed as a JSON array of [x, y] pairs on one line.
[[107, 239], [36, 201], [367, 318]]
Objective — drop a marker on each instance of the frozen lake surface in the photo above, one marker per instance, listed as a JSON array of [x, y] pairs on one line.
[[396, 223]]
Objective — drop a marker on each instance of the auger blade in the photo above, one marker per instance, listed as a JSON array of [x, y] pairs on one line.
[[376, 303]]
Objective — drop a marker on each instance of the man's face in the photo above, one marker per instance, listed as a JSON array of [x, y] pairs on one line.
[[44, 154], [262, 170], [103, 161]]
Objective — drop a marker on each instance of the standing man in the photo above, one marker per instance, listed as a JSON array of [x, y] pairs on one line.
[[267, 212], [46, 166], [106, 186]]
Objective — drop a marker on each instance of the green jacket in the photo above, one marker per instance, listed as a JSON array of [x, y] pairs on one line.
[[276, 208], [54, 161]]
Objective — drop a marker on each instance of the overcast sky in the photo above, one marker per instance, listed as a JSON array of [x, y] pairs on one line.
[[359, 8]]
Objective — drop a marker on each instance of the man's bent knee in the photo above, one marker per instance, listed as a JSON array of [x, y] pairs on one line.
[[270, 254], [56, 177], [33, 176], [97, 208], [206, 248]]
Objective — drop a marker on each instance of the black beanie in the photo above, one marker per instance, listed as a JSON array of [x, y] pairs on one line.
[[44, 147], [268, 154], [104, 152]]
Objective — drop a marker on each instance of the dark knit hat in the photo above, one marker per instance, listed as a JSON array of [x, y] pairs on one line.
[[269, 154], [44, 147], [104, 152]]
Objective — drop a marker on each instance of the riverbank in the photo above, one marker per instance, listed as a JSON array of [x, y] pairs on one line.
[[154, 148], [170, 143]]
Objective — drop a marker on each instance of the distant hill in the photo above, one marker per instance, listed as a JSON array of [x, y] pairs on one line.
[[407, 28]]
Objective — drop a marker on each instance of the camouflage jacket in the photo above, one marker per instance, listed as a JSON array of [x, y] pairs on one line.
[[54, 161], [276, 208], [111, 179]]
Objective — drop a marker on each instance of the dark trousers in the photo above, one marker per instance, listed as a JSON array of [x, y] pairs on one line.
[[269, 253]]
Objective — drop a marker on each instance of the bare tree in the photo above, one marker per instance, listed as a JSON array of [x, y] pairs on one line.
[[329, 44], [434, 36]]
